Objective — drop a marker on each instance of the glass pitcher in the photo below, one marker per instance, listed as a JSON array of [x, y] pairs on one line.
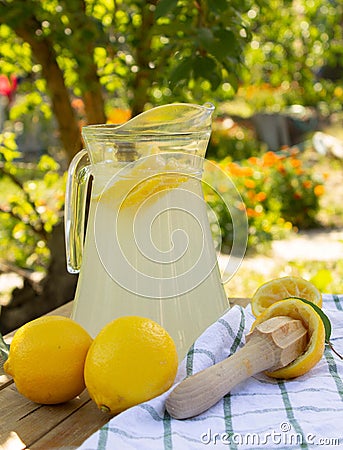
[[147, 248]]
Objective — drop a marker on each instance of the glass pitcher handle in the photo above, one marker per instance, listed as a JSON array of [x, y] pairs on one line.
[[74, 210]]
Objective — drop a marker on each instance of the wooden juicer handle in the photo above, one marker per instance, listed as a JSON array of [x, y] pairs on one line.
[[272, 344]]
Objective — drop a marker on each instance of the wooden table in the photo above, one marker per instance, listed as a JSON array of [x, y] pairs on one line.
[[24, 424]]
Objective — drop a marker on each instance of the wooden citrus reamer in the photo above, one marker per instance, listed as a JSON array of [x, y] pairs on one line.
[[272, 344]]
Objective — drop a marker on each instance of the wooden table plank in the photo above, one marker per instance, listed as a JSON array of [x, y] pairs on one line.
[[75, 429], [31, 421], [40, 426], [5, 380]]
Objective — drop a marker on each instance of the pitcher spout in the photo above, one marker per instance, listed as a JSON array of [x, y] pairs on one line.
[[169, 119], [175, 118]]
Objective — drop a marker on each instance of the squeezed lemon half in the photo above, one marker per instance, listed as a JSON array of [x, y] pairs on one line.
[[281, 288], [297, 309]]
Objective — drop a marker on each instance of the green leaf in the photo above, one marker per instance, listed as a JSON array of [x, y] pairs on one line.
[[182, 71], [322, 315], [226, 43], [217, 5], [205, 67], [205, 37], [163, 7], [46, 163], [220, 43], [231, 79]]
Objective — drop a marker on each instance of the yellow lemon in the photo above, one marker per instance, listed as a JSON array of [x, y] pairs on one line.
[[131, 360], [46, 359], [297, 309], [281, 288]]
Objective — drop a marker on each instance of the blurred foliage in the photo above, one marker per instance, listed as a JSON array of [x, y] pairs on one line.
[[30, 205], [184, 50], [145, 53], [325, 275], [278, 191], [296, 52], [260, 55], [231, 139]]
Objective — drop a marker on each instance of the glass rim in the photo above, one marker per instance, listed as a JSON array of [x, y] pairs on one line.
[[112, 131]]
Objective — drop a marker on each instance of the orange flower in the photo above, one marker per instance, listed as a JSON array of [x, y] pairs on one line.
[[260, 196], [239, 171], [118, 115], [233, 168], [319, 190], [77, 103], [240, 206], [246, 171], [307, 184], [269, 159], [281, 168], [250, 184], [252, 213], [297, 195], [295, 162], [253, 160]]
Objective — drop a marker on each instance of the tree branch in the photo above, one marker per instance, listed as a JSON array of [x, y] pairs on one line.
[[37, 229], [25, 26], [88, 72]]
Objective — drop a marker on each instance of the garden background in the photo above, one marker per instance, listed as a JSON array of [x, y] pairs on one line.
[[274, 71]]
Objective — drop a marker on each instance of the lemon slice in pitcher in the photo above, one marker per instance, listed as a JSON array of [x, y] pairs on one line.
[[282, 288], [155, 184], [145, 179]]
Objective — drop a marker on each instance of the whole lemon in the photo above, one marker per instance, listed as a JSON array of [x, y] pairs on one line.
[[46, 359], [131, 360]]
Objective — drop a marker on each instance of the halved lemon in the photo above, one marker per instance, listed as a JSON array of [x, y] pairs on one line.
[[297, 309], [281, 288]]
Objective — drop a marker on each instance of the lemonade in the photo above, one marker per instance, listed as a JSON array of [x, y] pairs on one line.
[[149, 251]]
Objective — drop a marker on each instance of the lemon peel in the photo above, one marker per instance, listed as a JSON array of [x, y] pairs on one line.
[[297, 309], [327, 325], [282, 288]]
